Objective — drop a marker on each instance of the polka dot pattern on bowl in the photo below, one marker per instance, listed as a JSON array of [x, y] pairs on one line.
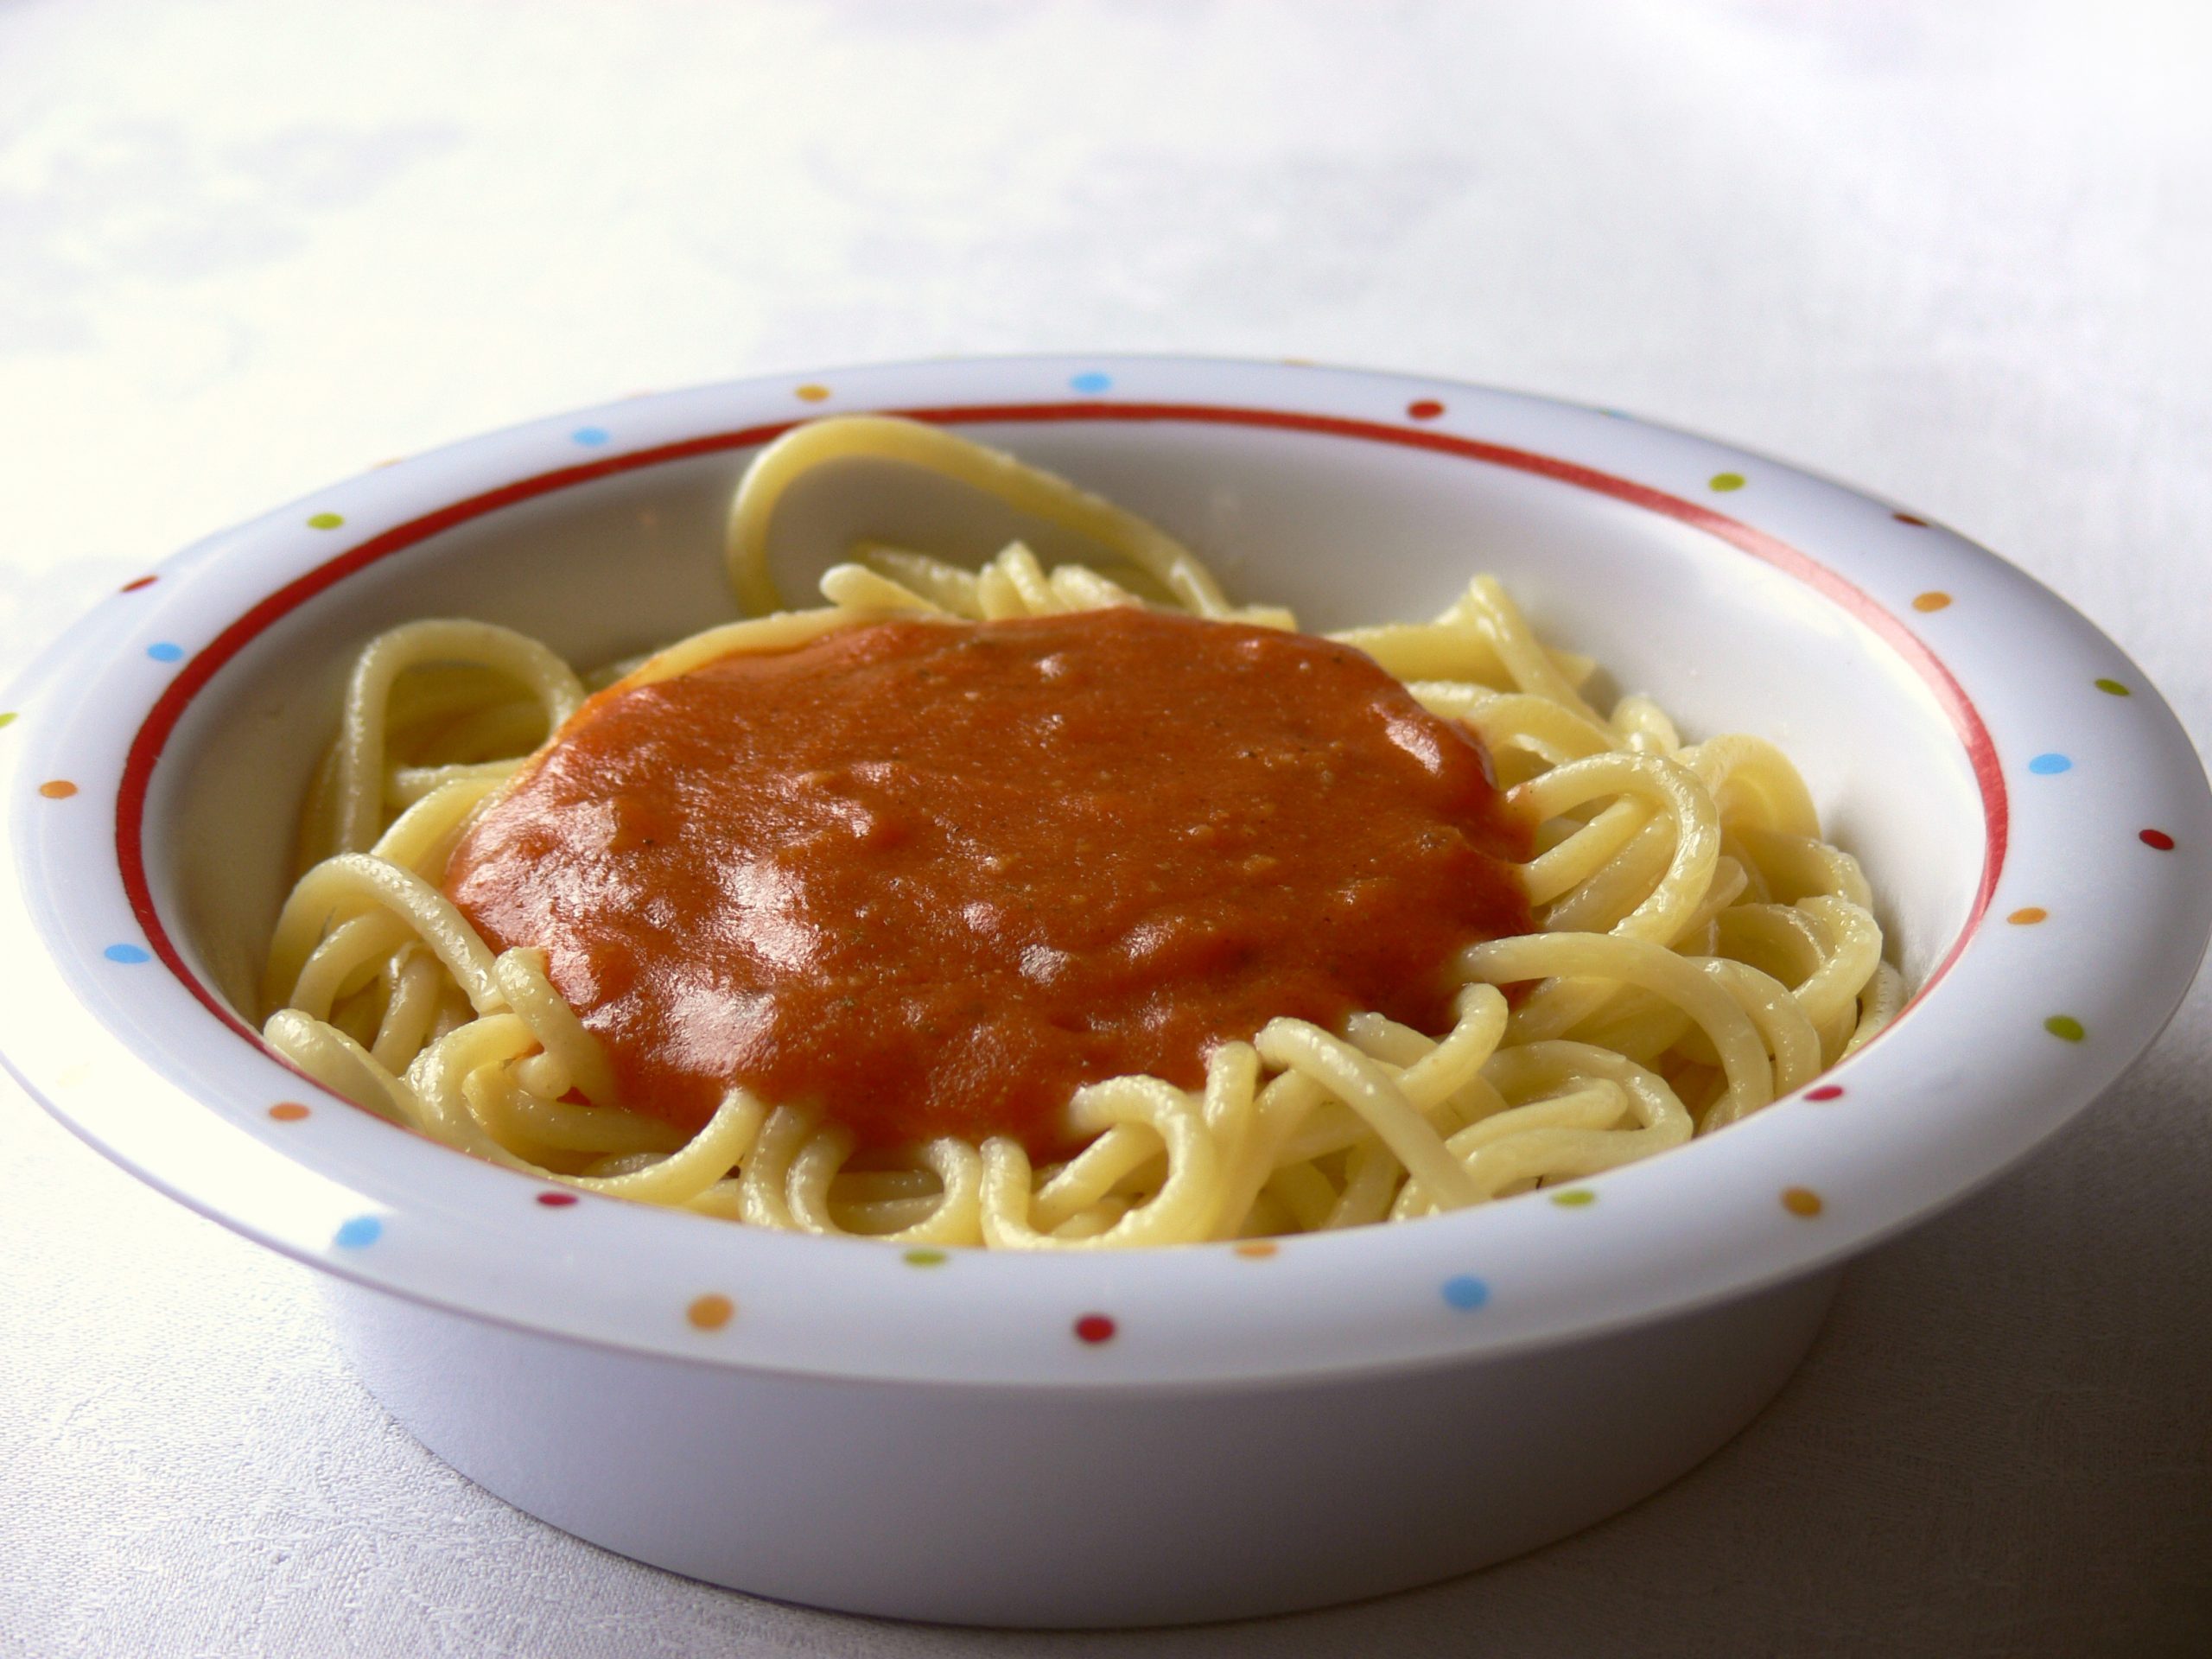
[[1465, 1293], [357, 1233], [711, 1312], [2059, 741]]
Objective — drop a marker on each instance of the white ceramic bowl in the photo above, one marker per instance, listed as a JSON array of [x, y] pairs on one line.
[[1255, 1431]]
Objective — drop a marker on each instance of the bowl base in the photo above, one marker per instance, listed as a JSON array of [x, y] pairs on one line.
[[1076, 1508]]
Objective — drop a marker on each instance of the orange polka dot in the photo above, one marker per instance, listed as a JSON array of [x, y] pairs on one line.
[[1257, 1249], [288, 1111], [2028, 916], [809, 393], [710, 1312], [57, 789], [1934, 600], [1802, 1201]]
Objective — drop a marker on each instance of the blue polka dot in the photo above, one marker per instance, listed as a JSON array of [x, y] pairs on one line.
[[590, 436], [1091, 380], [2049, 765], [164, 652], [126, 953], [1467, 1293], [358, 1233]]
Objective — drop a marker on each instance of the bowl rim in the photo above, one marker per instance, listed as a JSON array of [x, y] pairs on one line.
[[1809, 1184]]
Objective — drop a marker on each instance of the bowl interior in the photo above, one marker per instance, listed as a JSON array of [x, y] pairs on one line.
[[1344, 531]]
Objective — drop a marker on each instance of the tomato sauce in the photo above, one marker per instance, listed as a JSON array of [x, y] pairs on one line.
[[931, 877]]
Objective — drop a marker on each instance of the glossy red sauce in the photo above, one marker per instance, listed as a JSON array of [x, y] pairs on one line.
[[933, 877]]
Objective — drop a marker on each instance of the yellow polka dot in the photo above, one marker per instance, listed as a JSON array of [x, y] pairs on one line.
[[809, 393], [2028, 916], [1933, 599], [57, 789], [1802, 1201], [710, 1312]]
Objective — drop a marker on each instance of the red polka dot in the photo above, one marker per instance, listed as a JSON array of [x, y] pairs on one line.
[[2158, 838], [1427, 409], [134, 585], [1825, 1091], [1909, 519], [556, 1200], [1094, 1328]]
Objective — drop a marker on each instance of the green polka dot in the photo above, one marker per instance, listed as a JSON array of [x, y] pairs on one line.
[[1574, 1198], [2066, 1027], [925, 1258], [7, 720], [326, 521], [2113, 688], [1726, 481]]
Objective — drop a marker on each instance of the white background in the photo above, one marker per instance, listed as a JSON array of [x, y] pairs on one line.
[[1959, 253]]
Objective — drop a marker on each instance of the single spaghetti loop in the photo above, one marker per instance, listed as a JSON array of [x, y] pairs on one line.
[[1700, 950]]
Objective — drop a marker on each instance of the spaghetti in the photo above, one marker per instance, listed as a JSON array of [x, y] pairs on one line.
[[1687, 948]]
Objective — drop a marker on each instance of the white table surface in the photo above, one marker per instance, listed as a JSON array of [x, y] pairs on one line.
[[1962, 254]]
